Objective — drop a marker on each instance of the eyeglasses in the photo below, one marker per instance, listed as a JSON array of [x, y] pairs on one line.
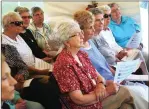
[[25, 17], [17, 23], [107, 15], [38, 14], [115, 10], [101, 20], [78, 34]]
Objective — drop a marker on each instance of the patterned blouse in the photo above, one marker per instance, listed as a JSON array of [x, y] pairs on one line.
[[71, 76], [14, 61]]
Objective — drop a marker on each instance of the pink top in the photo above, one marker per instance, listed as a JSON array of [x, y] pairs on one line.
[[71, 76]]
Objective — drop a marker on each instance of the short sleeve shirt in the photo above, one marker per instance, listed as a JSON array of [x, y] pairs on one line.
[[124, 31], [21, 46], [71, 76], [98, 61]]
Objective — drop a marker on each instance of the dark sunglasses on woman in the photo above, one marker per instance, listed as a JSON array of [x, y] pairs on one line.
[[17, 23], [107, 15], [25, 17]]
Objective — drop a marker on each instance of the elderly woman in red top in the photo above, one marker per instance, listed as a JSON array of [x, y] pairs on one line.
[[83, 87]]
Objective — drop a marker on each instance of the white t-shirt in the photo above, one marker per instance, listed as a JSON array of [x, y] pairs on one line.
[[41, 30], [109, 38], [23, 49]]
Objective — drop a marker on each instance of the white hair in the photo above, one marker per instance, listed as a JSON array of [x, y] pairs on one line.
[[65, 29], [104, 8], [10, 17]]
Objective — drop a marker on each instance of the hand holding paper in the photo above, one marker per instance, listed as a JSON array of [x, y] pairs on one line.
[[124, 69]]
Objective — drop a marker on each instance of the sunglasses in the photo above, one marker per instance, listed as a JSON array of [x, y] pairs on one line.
[[107, 15], [25, 17], [17, 23]]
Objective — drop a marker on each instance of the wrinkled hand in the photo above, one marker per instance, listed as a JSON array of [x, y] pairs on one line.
[[127, 49], [112, 87], [121, 54], [100, 91], [123, 82], [44, 72], [19, 78], [21, 105], [20, 81], [100, 78], [47, 59], [117, 60], [50, 53], [20, 100], [46, 52]]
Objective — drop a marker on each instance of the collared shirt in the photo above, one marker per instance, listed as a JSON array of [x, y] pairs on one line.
[[104, 49], [45, 37], [109, 38], [124, 31], [98, 61], [41, 37], [71, 76], [23, 49]]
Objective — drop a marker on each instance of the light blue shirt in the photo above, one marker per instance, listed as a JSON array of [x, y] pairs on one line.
[[98, 61], [124, 31], [104, 49]]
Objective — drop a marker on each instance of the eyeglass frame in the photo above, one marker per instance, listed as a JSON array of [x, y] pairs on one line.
[[101, 20], [24, 17], [115, 10], [17, 23], [77, 34], [107, 15]]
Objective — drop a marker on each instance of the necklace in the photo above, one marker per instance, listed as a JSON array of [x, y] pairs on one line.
[[77, 59], [86, 72]]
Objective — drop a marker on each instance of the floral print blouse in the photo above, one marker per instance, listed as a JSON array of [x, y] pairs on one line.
[[71, 76]]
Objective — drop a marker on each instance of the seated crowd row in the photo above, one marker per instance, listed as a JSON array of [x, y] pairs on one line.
[[82, 50]]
